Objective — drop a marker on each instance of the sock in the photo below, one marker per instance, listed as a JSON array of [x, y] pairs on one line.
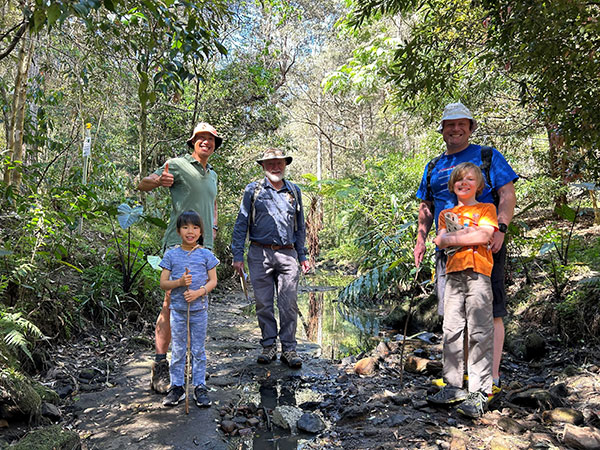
[[160, 357], [496, 381]]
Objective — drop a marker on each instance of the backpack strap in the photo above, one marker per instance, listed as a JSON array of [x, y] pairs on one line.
[[486, 165], [429, 192], [257, 190]]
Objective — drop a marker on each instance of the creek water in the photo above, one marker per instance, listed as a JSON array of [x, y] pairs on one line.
[[336, 330]]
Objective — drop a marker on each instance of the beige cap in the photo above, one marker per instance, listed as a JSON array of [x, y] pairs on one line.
[[274, 153], [207, 128], [455, 111]]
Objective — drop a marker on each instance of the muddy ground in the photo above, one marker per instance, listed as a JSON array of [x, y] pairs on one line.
[[105, 384]]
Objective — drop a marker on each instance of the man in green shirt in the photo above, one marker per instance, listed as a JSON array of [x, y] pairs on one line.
[[192, 183]]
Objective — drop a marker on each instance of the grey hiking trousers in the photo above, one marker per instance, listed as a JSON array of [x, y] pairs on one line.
[[269, 268], [468, 301]]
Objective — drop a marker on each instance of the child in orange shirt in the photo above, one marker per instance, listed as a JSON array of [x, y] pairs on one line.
[[468, 297]]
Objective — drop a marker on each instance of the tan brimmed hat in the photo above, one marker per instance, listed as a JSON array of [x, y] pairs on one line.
[[207, 128], [274, 153], [455, 111]]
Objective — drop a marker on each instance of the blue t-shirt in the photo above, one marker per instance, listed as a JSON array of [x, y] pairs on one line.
[[199, 262], [500, 174]]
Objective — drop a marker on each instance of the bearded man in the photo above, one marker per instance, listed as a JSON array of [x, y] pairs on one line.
[[272, 216]]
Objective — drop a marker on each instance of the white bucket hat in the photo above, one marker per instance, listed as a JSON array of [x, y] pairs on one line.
[[207, 128], [454, 111]]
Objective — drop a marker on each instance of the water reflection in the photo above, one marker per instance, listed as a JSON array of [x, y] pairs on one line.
[[338, 329]]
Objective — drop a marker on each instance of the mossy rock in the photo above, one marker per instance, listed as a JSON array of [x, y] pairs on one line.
[[49, 438], [46, 394], [18, 398]]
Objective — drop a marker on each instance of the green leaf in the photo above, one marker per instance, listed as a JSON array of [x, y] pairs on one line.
[[39, 18], [548, 246], [155, 221], [70, 265], [127, 216], [54, 12], [154, 261], [565, 212]]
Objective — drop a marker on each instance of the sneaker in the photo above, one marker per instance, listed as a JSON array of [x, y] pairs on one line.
[[496, 387], [201, 396], [159, 376], [439, 382], [292, 359], [174, 396], [268, 354], [447, 396], [474, 406]]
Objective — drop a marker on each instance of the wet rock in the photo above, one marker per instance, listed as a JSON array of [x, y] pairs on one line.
[[563, 415], [422, 365], [382, 350], [311, 423], [286, 417], [420, 404], [228, 426], [88, 374], [51, 412], [510, 425], [342, 378], [559, 390], [348, 360], [397, 420], [354, 412], [18, 398], [240, 420], [535, 398], [52, 437], [581, 437], [535, 347], [244, 432], [366, 366], [64, 390], [253, 422]]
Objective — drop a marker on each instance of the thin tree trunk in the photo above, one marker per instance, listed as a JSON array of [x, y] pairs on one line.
[[16, 149], [557, 161]]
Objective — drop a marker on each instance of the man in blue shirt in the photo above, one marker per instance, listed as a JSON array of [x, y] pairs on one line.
[[456, 127], [271, 214]]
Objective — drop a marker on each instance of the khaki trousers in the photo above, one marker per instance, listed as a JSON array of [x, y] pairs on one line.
[[468, 302]]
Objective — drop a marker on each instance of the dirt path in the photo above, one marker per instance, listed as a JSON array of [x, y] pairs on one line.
[[130, 415], [371, 411]]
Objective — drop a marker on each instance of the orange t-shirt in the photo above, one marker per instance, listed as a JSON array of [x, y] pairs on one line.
[[476, 257]]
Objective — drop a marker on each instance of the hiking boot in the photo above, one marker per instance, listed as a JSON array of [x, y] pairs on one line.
[[174, 396], [268, 354], [448, 395], [439, 382], [495, 395], [291, 358], [474, 406], [159, 376], [201, 396]]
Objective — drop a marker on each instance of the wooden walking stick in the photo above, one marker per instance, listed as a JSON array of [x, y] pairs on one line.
[[410, 306], [188, 363]]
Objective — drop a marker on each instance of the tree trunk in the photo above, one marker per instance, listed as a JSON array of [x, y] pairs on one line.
[[15, 146], [557, 161], [143, 139]]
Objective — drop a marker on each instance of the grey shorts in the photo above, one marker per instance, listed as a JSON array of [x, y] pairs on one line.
[[497, 279]]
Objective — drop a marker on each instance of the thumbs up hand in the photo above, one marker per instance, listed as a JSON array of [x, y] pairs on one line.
[[166, 179], [186, 278]]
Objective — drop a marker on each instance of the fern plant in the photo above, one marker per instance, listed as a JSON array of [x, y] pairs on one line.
[[15, 332]]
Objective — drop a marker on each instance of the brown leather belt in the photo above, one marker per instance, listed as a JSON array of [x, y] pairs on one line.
[[272, 246]]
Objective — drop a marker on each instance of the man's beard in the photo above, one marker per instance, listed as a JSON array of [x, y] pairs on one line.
[[275, 178]]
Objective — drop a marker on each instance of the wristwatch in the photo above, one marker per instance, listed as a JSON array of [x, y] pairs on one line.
[[502, 227], [216, 227]]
